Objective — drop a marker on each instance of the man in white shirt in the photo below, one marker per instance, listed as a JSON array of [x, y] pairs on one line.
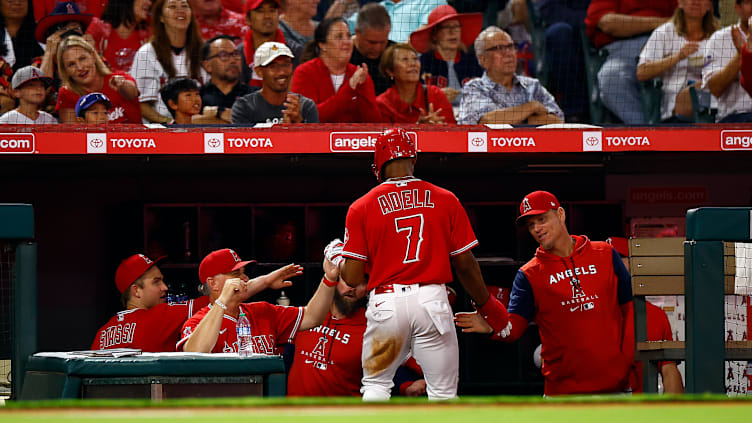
[[721, 75], [29, 86]]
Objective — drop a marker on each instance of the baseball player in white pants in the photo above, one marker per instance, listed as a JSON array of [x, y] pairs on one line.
[[415, 232]]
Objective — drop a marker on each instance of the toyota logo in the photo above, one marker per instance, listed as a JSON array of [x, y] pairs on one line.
[[477, 141], [591, 141], [96, 143], [213, 143]]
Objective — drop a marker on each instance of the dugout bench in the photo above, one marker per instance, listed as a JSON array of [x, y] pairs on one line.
[[155, 376], [702, 268]]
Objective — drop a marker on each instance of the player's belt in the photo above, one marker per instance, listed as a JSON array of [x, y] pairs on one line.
[[384, 289]]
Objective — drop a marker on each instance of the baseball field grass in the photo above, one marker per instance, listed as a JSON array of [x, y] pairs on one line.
[[602, 409]]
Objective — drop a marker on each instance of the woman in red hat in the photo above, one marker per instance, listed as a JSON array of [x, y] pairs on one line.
[[442, 42], [123, 29], [408, 100]]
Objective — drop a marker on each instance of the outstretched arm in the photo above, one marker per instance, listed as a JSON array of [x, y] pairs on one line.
[[273, 280], [490, 308], [321, 302]]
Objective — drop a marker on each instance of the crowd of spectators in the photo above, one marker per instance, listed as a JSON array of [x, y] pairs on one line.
[[366, 61]]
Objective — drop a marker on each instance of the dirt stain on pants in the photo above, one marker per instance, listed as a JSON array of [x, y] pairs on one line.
[[383, 353]]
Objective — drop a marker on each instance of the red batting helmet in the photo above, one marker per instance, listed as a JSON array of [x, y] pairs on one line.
[[393, 144]]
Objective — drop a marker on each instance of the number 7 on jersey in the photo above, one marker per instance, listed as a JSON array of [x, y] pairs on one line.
[[413, 226]]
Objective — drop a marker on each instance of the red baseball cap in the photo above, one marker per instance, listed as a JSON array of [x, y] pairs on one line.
[[535, 203], [621, 245], [254, 4], [220, 261], [131, 269]]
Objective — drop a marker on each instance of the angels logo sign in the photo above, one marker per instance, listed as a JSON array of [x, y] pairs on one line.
[[526, 207]]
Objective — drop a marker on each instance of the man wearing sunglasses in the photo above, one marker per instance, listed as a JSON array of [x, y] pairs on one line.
[[500, 96], [221, 60]]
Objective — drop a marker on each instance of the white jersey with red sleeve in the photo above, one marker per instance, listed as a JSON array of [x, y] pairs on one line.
[[152, 330], [406, 230], [272, 327]]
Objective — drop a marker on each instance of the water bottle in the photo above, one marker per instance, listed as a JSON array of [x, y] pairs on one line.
[[283, 300], [245, 344]]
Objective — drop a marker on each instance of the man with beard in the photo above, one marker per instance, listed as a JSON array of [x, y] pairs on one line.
[[327, 358], [274, 103], [221, 60]]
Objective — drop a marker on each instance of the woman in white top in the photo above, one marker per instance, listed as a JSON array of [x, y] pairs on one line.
[[174, 51], [674, 53]]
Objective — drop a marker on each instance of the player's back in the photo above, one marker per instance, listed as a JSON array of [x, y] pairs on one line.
[[406, 230]]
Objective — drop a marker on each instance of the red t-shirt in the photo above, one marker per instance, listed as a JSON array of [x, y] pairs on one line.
[[327, 358], [394, 110], [119, 52], [122, 111], [599, 8], [406, 231], [154, 330], [229, 23], [659, 329], [272, 326]]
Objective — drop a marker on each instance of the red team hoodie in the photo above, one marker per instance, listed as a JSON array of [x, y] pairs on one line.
[[579, 303]]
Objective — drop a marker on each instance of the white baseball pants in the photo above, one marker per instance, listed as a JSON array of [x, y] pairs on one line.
[[405, 318]]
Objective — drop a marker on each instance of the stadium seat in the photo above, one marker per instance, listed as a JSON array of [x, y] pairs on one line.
[[538, 35], [651, 93], [594, 59], [700, 113]]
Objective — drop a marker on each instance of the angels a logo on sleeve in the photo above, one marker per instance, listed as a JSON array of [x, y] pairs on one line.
[[187, 331]]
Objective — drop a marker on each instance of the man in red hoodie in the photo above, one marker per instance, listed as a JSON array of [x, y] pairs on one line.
[[579, 293]]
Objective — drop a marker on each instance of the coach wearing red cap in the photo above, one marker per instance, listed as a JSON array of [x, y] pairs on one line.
[[579, 294], [212, 329], [148, 322]]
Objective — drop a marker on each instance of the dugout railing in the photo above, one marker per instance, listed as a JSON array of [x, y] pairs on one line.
[[18, 284]]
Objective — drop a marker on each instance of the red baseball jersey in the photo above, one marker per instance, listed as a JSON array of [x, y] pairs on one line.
[[272, 326], [659, 329], [327, 358], [576, 303], [406, 230], [152, 330]]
